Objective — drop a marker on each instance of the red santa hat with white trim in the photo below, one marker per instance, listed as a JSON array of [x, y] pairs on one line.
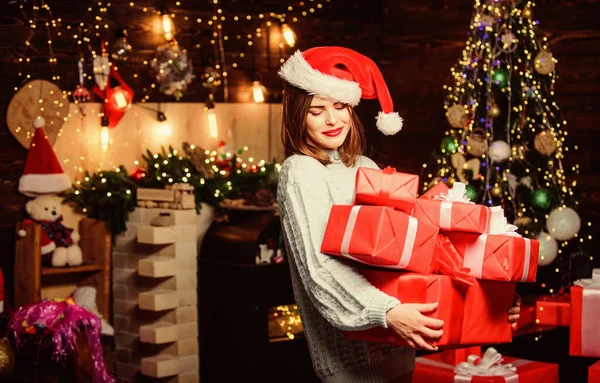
[[43, 173], [342, 75]]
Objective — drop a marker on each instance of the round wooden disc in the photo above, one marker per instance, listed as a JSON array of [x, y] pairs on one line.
[[25, 106]]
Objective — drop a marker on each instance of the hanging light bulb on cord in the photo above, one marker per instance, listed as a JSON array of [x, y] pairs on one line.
[[288, 34], [213, 128], [258, 91], [165, 128], [167, 24], [104, 135]]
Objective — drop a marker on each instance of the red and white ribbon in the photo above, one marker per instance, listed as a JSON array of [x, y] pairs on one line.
[[590, 312], [456, 194], [409, 242], [490, 364]]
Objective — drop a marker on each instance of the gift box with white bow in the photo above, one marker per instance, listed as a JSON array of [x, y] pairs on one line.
[[585, 311], [502, 254], [451, 210], [386, 187], [492, 367]]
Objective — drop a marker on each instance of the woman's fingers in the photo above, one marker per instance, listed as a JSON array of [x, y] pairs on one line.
[[514, 310], [433, 323], [426, 307], [432, 334], [513, 318], [420, 342]]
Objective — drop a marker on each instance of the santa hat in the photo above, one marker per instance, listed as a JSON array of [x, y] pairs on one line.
[[43, 173], [342, 75]]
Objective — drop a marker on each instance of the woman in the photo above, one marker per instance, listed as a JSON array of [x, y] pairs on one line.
[[323, 141]]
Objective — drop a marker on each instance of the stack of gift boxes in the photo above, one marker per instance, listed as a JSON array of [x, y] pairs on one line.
[[439, 247]]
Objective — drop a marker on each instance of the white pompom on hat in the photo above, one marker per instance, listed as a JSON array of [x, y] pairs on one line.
[[342, 75]]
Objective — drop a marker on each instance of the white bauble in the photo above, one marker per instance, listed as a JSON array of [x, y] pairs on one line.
[[548, 249], [563, 223], [499, 151]]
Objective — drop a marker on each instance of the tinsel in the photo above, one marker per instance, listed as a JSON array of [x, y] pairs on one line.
[[61, 322]]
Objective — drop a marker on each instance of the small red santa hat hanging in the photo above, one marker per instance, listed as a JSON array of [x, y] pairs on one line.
[[342, 75], [43, 173]]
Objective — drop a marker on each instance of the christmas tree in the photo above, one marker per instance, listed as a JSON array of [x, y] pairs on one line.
[[506, 138]]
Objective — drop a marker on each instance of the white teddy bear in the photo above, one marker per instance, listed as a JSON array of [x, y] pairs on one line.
[[58, 243]]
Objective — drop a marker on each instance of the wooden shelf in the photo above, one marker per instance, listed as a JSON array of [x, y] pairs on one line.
[[84, 268]]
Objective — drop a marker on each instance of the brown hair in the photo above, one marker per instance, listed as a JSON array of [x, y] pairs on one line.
[[294, 135]]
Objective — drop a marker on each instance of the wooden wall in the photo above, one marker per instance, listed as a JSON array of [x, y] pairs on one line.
[[415, 42]]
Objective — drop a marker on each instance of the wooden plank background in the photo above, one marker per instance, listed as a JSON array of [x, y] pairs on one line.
[[415, 42]]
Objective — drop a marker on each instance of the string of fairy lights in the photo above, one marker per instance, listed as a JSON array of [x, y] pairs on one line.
[[504, 51], [98, 21]]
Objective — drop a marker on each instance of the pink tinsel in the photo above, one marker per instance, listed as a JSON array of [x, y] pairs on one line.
[[63, 321]]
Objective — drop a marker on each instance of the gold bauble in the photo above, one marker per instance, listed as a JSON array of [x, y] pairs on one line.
[[7, 358], [527, 12], [450, 181], [544, 62], [494, 111], [496, 191], [545, 142]]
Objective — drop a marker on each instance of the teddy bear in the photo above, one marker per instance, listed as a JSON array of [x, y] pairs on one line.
[[59, 244]]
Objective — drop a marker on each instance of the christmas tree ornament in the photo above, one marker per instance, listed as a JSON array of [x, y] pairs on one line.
[[548, 249], [500, 77], [527, 12], [449, 145], [172, 69], [508, 41], [545, 142], [523, 222], [101, 68], [499, 151], [211, 78], [120, 48], [137, 174], [544, 62], [486, 21], [451, 181], [471, 192], [37, 98], [477, 143], [494, 110], [496, 191], [116, 99], [456, 115], [8, 359], [81, 94], [540, 198], [563, 223], [462, 167]]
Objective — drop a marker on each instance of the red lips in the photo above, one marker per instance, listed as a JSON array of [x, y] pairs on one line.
[[333, 132]]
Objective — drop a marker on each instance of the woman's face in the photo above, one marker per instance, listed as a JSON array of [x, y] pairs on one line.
[[327, 123]]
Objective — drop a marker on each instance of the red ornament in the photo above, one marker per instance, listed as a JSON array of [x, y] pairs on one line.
[[117, 99], [137, 174]]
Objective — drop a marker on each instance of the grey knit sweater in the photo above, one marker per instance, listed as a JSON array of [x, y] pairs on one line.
[[331, 295]]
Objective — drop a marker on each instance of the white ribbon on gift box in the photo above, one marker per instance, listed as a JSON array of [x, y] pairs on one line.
[[409, 242], [475, 251], [590, 312], [490, 364]]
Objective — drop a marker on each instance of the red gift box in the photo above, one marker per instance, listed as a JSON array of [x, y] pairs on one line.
[[553, 310], [485, 319], [386, 187], [456, 356], [455, 216], [594, 373], [379, 236], [437, 189], [418, 288], [429, 370], [584, 337], [526, 317], [497, 256]]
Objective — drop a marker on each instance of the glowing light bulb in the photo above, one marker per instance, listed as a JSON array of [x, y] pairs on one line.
[[258, 92], [104, 138], [120, 100], [288, 35], [213, 128], [168, 26]]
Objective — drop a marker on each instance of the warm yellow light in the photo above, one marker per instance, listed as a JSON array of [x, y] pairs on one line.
[[168, 26], [166, 129], [120, 100], [212, 123], [104, 138], [288, 35], [258, 92]]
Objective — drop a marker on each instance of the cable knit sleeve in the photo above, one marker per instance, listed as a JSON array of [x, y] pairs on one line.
[[342, 296]]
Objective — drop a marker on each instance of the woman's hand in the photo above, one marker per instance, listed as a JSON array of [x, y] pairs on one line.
[[407, 320], [513, 312]]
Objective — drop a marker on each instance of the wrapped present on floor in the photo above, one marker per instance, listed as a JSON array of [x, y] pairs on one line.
[[379, 236], [594, 373], [492, 367], [468, 318], [502, 256], [526, 317], [457, 355], [386, 187], [452, 210], [553, 310], [584, 337]]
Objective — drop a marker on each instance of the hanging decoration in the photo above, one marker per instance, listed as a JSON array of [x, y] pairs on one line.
[[120, 49], [545, 142], [37, 98], [101, 68], [544, 62], [548, 249], [499, 151], [463, 167], [563, 223], [477, 143], [449, 145], [117, 99], [456, 116], [172, 69], [540, 198], [211, 78]]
